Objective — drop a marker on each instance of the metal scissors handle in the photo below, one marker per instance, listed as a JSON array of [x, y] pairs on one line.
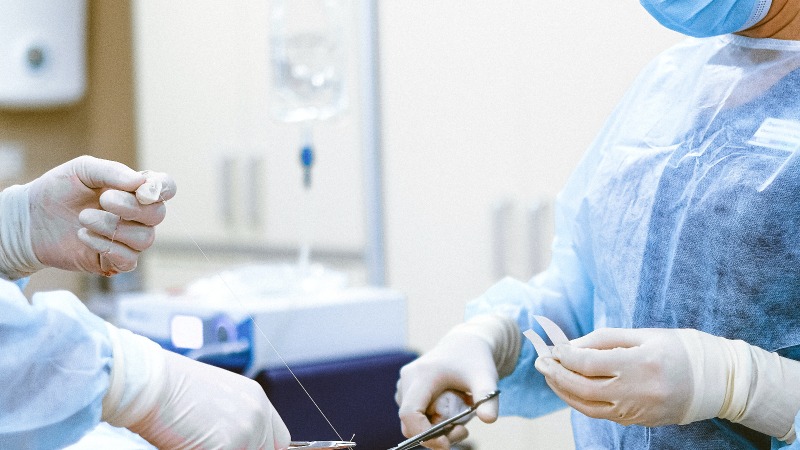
[[441, 427], [321, 445]]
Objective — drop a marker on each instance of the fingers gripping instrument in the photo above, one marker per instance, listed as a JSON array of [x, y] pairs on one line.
[[442, 427]]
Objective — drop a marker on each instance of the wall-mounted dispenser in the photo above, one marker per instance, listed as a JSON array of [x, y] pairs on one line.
[[42, 53]]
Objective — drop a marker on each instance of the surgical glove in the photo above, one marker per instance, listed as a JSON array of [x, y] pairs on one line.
[[94, 215], [469, 359], [178, 403], [658, 377]]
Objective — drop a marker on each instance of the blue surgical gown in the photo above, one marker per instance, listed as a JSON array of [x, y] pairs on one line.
[[54, 369], [684, 213]]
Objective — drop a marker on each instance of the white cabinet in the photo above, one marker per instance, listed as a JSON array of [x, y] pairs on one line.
[[202, 100]]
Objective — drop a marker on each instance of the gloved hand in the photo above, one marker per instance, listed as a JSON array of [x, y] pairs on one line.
[[86, 215], [656, 377], [96, 216], [469, 359], [178, 403]]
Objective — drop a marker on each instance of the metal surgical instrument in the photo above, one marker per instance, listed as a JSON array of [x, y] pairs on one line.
[[441, 427], [321, 445]]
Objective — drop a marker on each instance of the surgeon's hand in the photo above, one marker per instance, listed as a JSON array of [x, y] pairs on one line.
[[639, 376], [465, 360], [96, 216], [177, 403], [659, 377]]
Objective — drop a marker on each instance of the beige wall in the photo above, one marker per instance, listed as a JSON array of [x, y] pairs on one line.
[[101, 124]]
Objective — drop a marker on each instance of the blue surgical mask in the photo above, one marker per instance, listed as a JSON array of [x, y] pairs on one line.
[[703, 18]]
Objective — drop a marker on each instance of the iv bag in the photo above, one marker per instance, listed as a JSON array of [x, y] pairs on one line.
[[309, 59]]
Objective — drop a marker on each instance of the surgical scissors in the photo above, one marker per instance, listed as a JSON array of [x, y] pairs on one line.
[[441, 427], [321, 445]]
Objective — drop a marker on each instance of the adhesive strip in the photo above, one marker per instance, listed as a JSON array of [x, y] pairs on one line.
[[538, 343], [552, 330]]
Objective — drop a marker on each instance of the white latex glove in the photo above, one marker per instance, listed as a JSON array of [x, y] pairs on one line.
[[178, 403], [656, 377], [469, 359], [94, 215]]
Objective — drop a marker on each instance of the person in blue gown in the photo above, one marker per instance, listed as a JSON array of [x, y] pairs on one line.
[[676, 260]]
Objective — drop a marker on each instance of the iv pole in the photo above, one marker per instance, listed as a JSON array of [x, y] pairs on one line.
[[374, 248]]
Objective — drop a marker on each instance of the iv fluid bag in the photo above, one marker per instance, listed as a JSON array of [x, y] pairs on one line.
[[309, 59]]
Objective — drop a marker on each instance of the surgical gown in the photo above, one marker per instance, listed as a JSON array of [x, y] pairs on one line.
[[684, 213], [54, 369]]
